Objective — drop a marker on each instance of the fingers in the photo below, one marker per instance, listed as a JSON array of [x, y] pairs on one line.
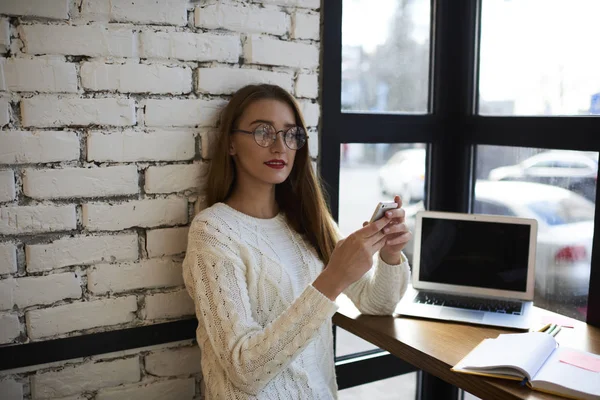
[[400, 239], [398, 200], [393, 227], [372, 228]]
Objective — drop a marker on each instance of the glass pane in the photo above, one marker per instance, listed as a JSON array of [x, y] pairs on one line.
[[385, 55], [547, 63], [558, 189], [370, 173], [398, 387]]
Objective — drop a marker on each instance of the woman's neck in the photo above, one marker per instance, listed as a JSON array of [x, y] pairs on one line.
[[253, 202]]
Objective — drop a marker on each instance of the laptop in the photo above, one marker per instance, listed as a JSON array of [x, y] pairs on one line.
[[472, 268]]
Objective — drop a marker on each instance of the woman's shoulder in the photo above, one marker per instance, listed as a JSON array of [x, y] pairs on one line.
[[214, 226]]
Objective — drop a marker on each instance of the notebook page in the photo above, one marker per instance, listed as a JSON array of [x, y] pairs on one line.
[[577, 380], [523, 351]]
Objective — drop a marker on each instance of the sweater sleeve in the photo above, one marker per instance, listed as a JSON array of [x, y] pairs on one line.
[[250, 354], [378, 291]]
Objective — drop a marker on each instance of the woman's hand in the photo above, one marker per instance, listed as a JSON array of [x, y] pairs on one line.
[[397, 234], [352, 258]]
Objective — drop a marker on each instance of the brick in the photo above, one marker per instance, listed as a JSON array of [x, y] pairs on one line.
[[7, 185], [152, 273], [25, 147], [166, 242], [129, 145], [36, 219], [50, 111], [86, 40], [4, 35], [176, 178], [307, 85], [40, 290], [79, 316], [314, 4], [136, 78], [191, 46], [4, 112], [208, 142], [40, 75], [165, 12], [11, 389], [138, 213], [90, 376], [244, 18], [175, 112], [81, 250], [10, 328], [313, 143], [6, 293], [80, 182], [170, 389], [311, 112], [263, 50], [54, 9], [306, 26], [228, 80], [173, 362], [168, 305], [8, 258]]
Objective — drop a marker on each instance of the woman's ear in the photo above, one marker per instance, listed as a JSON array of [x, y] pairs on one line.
[[231, 149]]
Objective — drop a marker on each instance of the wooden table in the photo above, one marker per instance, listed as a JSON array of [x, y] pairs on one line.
[[436, 346]]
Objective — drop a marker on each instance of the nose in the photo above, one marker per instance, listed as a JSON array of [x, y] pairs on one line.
[[279, 143]]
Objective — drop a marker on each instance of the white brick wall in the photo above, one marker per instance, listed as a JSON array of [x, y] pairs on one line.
[[24, 292], [7, 185], [24, 147], [165, 242], [269, 51], [128, 146], [190, 46], [173, 362], [51, 111], [108, 114], [86, 377], [164, 12], [136, 78], [171, 389], [242, 18], [228, 80], [11, 390], [81, 250], [8, 258], [39, 75], [36, 219], [168, 305], [176, 178], [183, 112], [88, 40], [78, 316], [153, 273], [142, 213], [56, 9], [80, 182]]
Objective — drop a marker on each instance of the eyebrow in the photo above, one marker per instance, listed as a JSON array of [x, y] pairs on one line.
[[264, 121]]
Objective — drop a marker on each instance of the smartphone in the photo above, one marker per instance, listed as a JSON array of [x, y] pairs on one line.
[[381, 208]]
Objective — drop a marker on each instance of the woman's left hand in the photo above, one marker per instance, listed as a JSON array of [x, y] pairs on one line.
[[397, 235]]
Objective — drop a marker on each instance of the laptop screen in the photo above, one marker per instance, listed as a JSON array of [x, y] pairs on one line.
[[475, 253]]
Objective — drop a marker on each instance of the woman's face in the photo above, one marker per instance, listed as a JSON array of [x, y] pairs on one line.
[[263, 165]]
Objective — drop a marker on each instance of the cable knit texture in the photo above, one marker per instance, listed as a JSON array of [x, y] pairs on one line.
[[265, 332]]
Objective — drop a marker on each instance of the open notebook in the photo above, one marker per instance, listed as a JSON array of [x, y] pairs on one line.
[[536, 358]]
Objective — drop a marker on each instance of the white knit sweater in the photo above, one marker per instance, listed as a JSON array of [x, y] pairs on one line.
[[265, 332]]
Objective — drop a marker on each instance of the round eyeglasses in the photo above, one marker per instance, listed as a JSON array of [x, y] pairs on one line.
[[265, 135]]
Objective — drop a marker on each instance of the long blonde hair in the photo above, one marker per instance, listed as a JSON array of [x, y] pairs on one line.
[[300, 196]]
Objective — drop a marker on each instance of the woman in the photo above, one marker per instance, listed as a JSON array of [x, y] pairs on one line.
[[264, 263]]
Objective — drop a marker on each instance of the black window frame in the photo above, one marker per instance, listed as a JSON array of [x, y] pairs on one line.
[[452, 130]]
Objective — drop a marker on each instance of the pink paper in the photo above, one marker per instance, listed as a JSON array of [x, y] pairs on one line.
[[562, 321], [581, 360]]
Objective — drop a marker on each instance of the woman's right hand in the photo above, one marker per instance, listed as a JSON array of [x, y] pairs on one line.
[[351, 258]]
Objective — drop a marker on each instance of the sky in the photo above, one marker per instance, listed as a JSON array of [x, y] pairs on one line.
[[541, 54]]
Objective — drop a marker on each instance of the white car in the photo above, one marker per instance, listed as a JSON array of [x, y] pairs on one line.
[[404, 174], [565, 231], [573, 170]]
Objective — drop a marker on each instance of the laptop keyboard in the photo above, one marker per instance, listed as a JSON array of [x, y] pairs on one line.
[[469, 303]]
